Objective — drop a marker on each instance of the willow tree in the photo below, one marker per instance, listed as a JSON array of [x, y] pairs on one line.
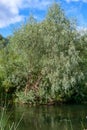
[[25, 52], [61, 61], [43, 56], [81, 46]]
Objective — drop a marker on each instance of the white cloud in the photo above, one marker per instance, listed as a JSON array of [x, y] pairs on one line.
[[82, 30], [9, 12], [10, 9]]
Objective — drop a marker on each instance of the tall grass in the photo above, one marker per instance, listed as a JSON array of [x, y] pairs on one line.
[[5, 123]]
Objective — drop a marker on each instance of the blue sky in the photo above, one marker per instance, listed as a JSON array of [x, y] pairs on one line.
[[15, 12]]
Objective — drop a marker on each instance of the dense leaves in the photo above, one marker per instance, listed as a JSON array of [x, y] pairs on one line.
[[42, 62]]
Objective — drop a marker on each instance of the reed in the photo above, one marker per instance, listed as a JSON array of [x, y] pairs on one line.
[[5, 123]]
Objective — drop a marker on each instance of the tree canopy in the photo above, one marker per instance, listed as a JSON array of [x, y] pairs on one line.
[[42, 62]]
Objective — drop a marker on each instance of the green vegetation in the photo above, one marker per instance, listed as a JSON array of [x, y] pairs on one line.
[[5, 123], [45, 62]]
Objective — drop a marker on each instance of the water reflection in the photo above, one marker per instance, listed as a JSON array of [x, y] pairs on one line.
[[64, 117]]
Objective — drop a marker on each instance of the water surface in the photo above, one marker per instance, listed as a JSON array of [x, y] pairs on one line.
[[61, 117]]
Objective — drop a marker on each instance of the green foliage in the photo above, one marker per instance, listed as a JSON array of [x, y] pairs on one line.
[[29, 98], [3, 42], [5, 121], [43, 59]]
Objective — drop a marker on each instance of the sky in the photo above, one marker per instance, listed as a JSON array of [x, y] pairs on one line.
[[13, 13]]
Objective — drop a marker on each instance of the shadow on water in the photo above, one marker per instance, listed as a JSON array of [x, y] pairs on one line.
[[62, 117]]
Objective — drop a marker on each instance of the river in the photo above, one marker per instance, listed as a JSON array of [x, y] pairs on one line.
[[61, 117]]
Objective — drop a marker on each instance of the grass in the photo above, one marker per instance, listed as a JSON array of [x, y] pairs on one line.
[[5, 121]]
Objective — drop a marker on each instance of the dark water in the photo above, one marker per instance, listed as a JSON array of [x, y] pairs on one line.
[[62, 117]]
